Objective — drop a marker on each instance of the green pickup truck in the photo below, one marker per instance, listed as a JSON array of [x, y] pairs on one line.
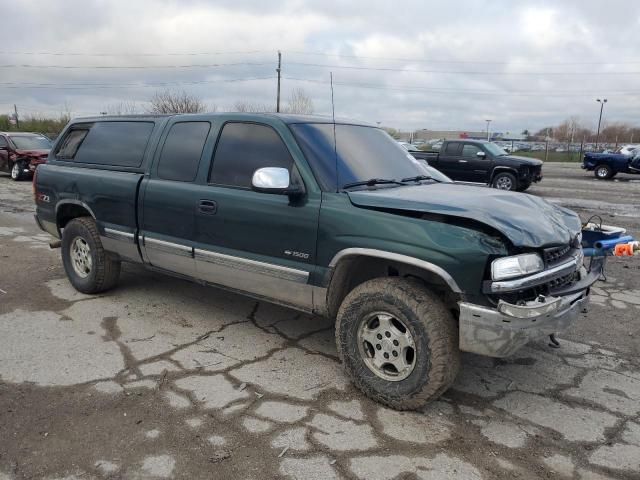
[[328, 217]]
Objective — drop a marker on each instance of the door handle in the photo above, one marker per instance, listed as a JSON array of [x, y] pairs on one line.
[[208, 207]]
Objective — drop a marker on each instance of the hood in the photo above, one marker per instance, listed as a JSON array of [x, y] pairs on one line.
[[527, 221], [33, 153], [534, 162]]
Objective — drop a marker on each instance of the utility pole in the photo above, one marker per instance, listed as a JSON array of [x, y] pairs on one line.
[[15, 111], [279, 70], [601, 102], [488, 122]]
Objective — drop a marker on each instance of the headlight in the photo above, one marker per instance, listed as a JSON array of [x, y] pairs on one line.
[[516, 266]]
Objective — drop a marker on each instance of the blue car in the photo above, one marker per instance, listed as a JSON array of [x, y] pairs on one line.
[[607, 165]]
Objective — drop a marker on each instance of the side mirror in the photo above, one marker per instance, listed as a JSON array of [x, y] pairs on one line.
[[274, 180], [481, 154]]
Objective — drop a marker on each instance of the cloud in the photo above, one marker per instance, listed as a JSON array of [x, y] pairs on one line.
[[417, 64]]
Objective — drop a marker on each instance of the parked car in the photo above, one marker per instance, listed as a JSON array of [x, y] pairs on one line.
[[607, 165], [484, 162], [409, 147], [628, 149], [21, 153], [329, 218]]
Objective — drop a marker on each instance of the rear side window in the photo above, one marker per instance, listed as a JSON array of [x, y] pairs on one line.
[[115, 143], [242, 149], [3, 142], [182, 150], [452, 149], [70, 144]]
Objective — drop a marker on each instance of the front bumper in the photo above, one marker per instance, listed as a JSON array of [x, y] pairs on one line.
[[500, 332]]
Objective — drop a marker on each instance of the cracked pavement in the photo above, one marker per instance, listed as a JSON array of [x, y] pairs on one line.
[[161, 378]]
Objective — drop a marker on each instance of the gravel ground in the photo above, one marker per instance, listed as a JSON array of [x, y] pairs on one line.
[[162, 378]]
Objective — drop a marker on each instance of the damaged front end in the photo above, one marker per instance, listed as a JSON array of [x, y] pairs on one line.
[[542, 303]]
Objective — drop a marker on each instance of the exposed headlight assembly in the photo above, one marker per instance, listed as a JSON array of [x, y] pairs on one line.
[[516, 266]]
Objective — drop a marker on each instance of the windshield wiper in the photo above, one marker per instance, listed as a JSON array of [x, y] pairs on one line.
[[419, 178], [372, 182]]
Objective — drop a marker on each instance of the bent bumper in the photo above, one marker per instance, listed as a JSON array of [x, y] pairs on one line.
[[500, 332]]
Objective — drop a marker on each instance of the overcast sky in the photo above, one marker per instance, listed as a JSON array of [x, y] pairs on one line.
[[415, 64]]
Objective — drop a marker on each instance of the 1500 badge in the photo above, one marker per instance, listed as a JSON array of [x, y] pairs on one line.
[[304, 256]]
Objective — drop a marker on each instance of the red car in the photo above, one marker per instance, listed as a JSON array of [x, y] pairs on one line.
[[21, 153]]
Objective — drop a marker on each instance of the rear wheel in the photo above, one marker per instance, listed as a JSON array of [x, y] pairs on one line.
[[505, 181], [398, 342], [603, 172], [89, 267]]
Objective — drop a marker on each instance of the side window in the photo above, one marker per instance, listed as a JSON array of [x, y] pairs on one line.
[[182, 150], [3, 142], [470, 150], [115, 143], [70, 144], [242, 149], [452, 149]]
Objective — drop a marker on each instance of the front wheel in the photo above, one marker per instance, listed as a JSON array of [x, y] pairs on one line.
[[603, 172], [17, 171], [505, 181], [88, 266], [398, 342]]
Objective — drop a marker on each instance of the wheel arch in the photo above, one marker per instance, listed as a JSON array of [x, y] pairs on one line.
[[503, 169], [354, 266], [67, 210]]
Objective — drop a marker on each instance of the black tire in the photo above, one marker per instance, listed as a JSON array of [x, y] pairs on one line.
[[505, 181], [603, 172], [17, 171], [436, 357], [104, 269]]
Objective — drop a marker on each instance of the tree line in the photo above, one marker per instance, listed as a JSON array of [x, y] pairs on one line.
[[572, 130]]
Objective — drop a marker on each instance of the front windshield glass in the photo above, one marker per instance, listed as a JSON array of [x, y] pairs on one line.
[[31, 142], [362, 152], [494, 149]]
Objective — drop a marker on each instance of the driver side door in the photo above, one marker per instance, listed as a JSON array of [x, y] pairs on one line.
[[263, 244], [474, 168]]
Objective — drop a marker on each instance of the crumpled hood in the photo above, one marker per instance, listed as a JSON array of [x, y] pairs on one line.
[[526, 220]]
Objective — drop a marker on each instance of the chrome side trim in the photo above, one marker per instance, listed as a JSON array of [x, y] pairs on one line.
[[119, 235], [173, 248], [254, 266], [537, 278], [397, 257]]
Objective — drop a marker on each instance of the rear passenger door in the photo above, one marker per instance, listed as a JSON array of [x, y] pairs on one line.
[[258, 243], [4, 154], [448, 161], [170, 199]]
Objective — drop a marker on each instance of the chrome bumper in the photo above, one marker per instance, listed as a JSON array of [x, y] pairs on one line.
[[500, 332]]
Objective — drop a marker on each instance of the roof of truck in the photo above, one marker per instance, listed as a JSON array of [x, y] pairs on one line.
[[284, 117]]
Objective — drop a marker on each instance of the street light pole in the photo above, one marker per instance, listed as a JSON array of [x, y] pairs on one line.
[[601, 102], [488, 122]]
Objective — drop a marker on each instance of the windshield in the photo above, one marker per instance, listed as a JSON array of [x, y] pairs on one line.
[[31, 142], [494, 149], [362, 153]]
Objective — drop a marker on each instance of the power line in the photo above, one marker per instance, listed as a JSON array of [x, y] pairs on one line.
[[479, 62], [91, 86], [311, 53], [450, 72], [418, 89], [135, 67]]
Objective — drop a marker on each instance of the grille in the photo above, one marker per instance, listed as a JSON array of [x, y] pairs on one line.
[[564, 281], [556, 254]]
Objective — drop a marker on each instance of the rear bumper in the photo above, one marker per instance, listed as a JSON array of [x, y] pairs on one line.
[[500, 332]]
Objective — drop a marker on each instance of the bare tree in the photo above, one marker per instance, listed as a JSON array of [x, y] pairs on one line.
[[126, 107], [169, 101], [248, 107], [299, 102]]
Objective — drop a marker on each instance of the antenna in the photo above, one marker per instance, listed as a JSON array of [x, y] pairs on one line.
[[335, 144]]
